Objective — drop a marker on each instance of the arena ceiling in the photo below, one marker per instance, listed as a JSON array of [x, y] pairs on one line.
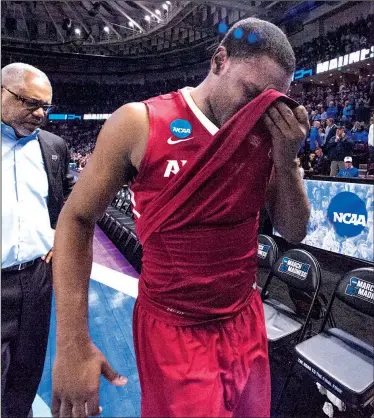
[[131, 28]]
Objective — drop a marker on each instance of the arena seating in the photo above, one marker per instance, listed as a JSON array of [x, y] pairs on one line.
[[336, 359], [283, 324], [345, 39]]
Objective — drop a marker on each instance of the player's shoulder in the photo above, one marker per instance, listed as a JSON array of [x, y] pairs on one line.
[[163, 97], [129, 113], [128, 125]]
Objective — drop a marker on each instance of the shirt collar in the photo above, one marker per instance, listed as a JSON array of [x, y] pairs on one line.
[[9, 132]]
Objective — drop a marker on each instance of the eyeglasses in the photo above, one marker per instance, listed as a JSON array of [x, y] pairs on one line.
[[32, 104]]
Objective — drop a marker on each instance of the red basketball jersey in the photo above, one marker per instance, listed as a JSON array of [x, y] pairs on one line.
[[169, 147], [206, 269]]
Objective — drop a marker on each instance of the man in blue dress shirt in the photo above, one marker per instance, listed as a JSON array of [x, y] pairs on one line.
[[348, 170], [35, 183]]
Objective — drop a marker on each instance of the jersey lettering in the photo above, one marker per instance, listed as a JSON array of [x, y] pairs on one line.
[[174, 167]]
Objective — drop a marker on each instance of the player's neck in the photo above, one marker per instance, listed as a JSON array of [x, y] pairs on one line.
[[200, 95]]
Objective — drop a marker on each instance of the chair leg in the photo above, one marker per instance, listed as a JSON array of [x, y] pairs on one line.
[[284, 388], [331, 321]]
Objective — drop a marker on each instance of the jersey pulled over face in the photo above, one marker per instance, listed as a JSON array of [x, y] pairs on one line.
[[206, 267]]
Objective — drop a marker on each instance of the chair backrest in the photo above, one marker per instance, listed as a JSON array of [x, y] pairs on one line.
[[267, 252], [298, 269], [356, 289]]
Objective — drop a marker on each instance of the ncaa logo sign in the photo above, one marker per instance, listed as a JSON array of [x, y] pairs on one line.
[[181, 128], [347, 212]]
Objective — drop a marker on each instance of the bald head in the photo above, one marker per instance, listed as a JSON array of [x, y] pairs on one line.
[[16, 74], [25, 89]]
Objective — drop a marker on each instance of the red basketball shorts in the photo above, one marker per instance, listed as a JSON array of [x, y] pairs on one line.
[[219, 369]]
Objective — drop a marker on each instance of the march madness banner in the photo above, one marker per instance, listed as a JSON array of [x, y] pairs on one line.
[[341, 218]]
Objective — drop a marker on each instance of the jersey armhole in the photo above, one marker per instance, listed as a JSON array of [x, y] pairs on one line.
[[144, 163]]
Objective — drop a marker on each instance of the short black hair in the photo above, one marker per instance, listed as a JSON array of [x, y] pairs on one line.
[[251, 37]]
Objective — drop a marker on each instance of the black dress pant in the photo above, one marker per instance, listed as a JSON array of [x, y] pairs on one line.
[[25, 317]]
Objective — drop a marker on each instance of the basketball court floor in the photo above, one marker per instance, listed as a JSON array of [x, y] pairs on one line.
[[112, 294]]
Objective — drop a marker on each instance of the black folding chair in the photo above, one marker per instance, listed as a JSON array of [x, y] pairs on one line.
[[267, 252], [125, 203], [119, 221], [298, 269], [117, 198], [122, 229], [340, 362]]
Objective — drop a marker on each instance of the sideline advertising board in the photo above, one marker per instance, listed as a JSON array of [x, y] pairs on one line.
[[341, 219]]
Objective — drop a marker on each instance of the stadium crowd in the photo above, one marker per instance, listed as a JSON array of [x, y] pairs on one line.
[[80, 137], [344, 101], [345, 39], [339, 109], [343, 105]]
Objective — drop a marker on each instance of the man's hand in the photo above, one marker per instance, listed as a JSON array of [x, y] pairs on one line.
[[288, 129], [76, 381], [286, 200], [48, 257]]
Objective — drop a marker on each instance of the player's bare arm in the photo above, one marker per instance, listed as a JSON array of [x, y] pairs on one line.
[[287, 202], [79, 363]]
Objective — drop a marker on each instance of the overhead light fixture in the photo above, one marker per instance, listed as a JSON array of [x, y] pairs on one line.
[[168, 2], [157, 12], [106, 29], [368, 65], [147, 18], [165, 6], [77, 31]]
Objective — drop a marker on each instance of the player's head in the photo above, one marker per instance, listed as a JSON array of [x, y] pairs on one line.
[[254, 56], [26, 94]]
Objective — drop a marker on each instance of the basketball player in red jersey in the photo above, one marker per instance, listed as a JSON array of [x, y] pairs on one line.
[[199, 330]]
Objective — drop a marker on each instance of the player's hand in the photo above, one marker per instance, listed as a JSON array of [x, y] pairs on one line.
[[48, 257], [76, 381], [288, 128]]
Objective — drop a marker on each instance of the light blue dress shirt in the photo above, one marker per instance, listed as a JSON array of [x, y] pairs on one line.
[[27, 233]]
